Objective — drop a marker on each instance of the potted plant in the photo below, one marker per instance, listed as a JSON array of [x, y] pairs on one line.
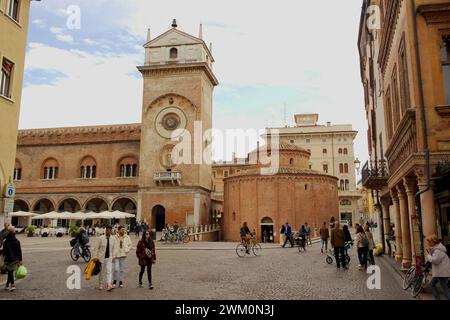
[[73, 230], [30, 230]]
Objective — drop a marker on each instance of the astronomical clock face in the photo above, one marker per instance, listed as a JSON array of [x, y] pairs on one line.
[[169, 120]]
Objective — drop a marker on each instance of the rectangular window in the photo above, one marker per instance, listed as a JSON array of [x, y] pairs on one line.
[[388, 113], [7, 72], [445, 59], [403, 75], [395, 101], [325, 168], [14, 9]]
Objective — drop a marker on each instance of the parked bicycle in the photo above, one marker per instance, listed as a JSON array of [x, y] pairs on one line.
[[416, 277], [244, 248]]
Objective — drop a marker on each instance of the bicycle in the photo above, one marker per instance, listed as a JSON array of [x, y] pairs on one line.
[[243, 248], [85, 253], [415, 278]]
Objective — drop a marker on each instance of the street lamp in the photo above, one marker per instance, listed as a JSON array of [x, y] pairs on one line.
[[357, 165]]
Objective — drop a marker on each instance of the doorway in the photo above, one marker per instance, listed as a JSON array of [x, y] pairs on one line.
[[267, 235], [158, 217]]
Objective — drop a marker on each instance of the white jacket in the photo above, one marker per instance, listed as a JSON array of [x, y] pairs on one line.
[[126, 246], [101, 247], [440, 261]]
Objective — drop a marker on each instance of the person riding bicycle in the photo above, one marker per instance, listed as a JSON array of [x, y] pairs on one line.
[[82, 239], [246, 236]]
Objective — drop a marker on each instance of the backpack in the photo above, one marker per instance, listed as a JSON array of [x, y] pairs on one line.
[[84, 238], [364, 241]]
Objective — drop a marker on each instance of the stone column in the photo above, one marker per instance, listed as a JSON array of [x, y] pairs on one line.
[[406, 234], [410, 184], [398, 226], [385, 204], [197, 209]]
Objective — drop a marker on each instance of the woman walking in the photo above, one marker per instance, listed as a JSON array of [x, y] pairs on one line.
[[441, 266], [324, 236], [13, 257], [146, 254], [362, 243], [369, 236]]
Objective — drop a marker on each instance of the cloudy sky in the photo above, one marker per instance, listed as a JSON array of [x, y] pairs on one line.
[[273, 58]]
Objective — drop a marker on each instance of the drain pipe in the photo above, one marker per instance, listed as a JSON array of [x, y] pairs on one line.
[[424, 128]]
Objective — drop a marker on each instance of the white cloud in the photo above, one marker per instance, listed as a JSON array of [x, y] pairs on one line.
[[90, 42], [59, 34], [39, 23], [96, 89]]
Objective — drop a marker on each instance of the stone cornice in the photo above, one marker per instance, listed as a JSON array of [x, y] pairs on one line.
[[177, 69], [284, 173], [389, 27], [435, 13], [77, 135]]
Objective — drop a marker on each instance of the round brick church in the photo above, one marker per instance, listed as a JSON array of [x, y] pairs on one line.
[[267, 198]]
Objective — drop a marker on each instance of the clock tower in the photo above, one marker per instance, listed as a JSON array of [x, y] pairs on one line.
[[177, 106]]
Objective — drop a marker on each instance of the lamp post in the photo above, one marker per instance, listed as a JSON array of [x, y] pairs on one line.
[[357, 165]]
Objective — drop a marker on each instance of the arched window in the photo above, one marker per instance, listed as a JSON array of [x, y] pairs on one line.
[[88, 168], [345, 151], [346, 168], [342, 185], [128, 167], [17, 171], [173, 53], [324, 152], [340, 151], [341, 168], [347, 185], [49, 169]]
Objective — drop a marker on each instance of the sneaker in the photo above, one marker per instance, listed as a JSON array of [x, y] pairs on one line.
[[120, 284], [7, 287], [321, 251], [140, 285], [150, 286], [12, 288]]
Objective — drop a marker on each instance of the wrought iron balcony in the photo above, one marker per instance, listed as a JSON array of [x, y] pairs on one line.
[[173, 177], [375, 175]]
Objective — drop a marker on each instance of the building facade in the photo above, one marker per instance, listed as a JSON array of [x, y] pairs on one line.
[[14, 16], [332, 152], [405, 71], [292, 193]]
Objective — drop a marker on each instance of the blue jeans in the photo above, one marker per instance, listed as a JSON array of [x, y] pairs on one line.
[[324, 243], [443, 282], [120, 269]]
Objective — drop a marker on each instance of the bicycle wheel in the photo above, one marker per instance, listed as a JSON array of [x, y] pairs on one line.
[[347, 258], [187, 238], [329, 260], [409, 278], [73, 255], [87, 255], [257, 249], [418, 285], [240, 250]]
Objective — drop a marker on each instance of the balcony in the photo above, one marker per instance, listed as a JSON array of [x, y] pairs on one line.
[[172, 177], [375, 175]]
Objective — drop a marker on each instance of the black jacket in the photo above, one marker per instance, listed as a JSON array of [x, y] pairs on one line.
[[348, 236], [12, 250]]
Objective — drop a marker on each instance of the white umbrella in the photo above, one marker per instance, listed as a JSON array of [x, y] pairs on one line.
[[22, 214], [49, 215], [112, 215]]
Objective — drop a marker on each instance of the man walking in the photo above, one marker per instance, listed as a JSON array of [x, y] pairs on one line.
[[106, 251], [324, 236], [288, 234], [123, 247], [282, 234], [338, 243]]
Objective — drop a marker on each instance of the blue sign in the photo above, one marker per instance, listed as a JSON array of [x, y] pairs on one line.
[[10, 190]]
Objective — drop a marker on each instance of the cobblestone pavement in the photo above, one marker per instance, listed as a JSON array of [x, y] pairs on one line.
[[212, 271]]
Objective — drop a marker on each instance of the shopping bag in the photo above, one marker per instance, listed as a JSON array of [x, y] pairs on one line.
[[21, 272], [97, 268], [89, 270]]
